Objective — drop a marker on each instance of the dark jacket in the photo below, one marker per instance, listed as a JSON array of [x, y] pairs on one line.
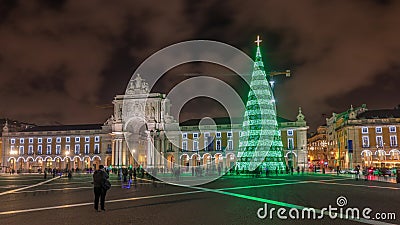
[[99, 178]]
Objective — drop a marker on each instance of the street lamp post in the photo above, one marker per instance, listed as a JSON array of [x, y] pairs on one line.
[[324, 152]]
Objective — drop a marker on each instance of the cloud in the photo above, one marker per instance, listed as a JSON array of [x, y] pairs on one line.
[[61, 51], [335, 47]]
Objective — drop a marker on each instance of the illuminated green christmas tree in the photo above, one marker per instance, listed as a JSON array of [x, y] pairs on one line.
[[260, 140]]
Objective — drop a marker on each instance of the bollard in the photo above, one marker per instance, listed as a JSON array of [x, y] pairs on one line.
[[398, 176]]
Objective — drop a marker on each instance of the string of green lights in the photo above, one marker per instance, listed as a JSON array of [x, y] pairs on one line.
[[260, 144]]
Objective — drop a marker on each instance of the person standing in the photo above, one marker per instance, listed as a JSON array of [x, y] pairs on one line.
[[119, 174], [99, 179], [125, 174], [358, 172], [130, 174]]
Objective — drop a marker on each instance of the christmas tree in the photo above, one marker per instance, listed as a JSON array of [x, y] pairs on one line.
[[260, 143]]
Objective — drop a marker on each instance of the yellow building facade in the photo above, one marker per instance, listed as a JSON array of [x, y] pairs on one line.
[[159, 141], [368, 138], [70, 147], [318, 148], [217, 145]]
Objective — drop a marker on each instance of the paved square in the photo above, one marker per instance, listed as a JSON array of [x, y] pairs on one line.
[[229, 200]]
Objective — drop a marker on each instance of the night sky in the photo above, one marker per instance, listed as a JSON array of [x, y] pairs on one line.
[[62, 62]]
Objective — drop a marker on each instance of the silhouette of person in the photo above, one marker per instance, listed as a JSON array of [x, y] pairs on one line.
[[99, 178]]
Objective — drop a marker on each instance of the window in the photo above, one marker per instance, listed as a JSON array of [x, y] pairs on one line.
[[379, 141], [12, 141], [58, 149], [48, 150], [97, 139], [195, 145], [184, 145], [289, 132], [67, 147], [205, 144], [68, 139], [392, 129], [210, 144], [230, 145], [40, 140], [87, 139], [365, 141], [378, 130], [30, 140], [393, 140], [364, 130], [206, 134], [48, 140], [30, 150], [184, 136], [77, 149], [218, 134], [77, 139], [195, 135], [21, 140], [86, 149], [58, 139], [218, 145], [96, 149], [170, 147], [39, 149], [21, 150], [290, 143], [229, 134]]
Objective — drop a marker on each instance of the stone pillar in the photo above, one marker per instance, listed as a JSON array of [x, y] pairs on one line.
[[113, 152], [158, 148], [150, 146], [162, 150], [124, 159], [119, 152]]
